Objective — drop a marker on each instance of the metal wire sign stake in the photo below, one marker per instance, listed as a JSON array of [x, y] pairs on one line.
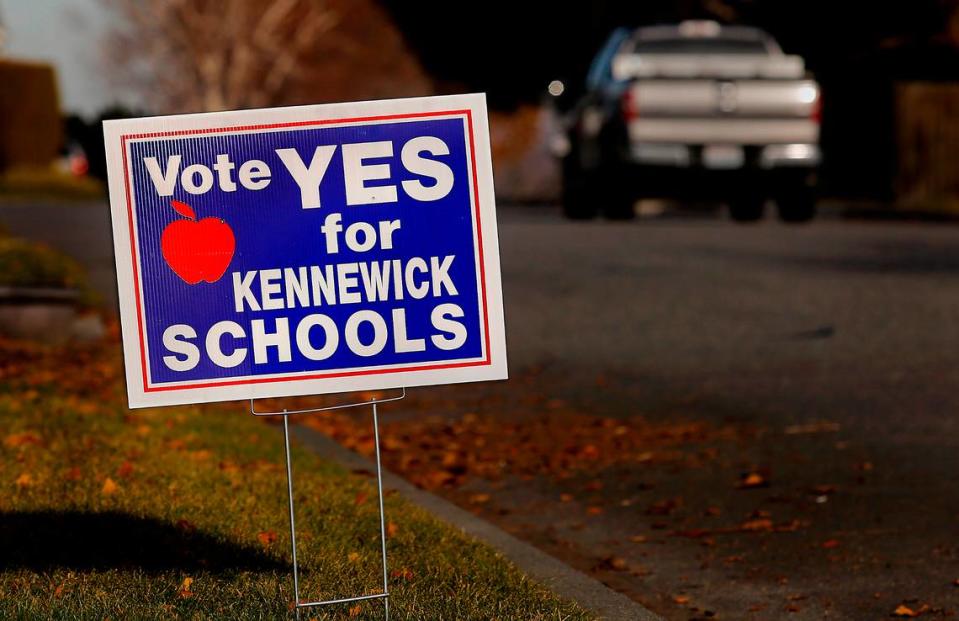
[[308, 250], [285, 413]]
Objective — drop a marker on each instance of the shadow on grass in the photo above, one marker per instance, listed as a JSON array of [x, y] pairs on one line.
[[45, 540]]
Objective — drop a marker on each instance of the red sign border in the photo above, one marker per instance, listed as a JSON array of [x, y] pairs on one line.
[[261, 380]]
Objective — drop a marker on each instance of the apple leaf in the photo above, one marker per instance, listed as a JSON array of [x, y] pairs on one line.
[[183, 209]]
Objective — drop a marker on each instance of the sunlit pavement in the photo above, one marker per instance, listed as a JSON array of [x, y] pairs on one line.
[[819, 358]]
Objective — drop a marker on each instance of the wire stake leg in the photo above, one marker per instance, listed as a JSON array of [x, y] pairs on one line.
[[385, 595]]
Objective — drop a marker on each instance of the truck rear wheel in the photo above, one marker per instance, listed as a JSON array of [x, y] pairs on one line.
[[579, 201], [798, 205], [747, 207]]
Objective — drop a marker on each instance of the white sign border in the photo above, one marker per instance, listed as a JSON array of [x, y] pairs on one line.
[[368, 378]]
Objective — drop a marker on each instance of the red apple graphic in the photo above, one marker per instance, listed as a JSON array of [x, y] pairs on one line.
[[195, 250]]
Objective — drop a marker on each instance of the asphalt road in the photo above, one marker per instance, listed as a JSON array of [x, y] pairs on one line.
[[828, 349], [834, 342]]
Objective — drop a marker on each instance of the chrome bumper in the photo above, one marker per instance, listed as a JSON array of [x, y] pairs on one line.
[[725, 156]]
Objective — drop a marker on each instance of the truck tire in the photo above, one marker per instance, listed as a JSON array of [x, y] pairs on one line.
[[616, 196], [797, 205], [579, 203], [618, 203], [747, 207]]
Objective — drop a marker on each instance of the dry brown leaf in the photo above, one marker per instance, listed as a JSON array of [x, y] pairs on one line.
[[355, 611], [823, 426], [185, 591], [125, 470], [109, 487], [353, 557], [391, 529], [753, 479], [752, 526], [24, 480], [266, 537], [21, 439], [681, 599], [905, 611]]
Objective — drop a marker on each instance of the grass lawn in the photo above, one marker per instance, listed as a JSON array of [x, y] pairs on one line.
[[180, 513]]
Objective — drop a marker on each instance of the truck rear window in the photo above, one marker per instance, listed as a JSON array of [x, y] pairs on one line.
[[699, 46]]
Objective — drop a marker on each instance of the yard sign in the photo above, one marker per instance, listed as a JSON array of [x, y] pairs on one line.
[[306, 250]]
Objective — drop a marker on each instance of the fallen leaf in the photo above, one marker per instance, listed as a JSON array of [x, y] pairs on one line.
[[905, 611], [615, 562], [830, 544], [360, 499], [391, 529], [109, 487], [565, 497], [681, 599], [664, 507], [594, 510], [479, 499], [24, 480], [752, 480], [404, 573], [753, 526], [73, 474], [353, 556], [814, 427], [125, 470], [185, 591], [355, 611], [266, 537], [638, 538], [21, 439]]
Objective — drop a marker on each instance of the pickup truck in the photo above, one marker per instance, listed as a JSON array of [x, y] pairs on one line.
[[695, 110]]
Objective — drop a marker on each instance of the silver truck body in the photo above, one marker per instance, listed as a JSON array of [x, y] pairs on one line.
[[700, 94]]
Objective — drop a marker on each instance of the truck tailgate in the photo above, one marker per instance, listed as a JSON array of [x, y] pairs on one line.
[[741, 111]]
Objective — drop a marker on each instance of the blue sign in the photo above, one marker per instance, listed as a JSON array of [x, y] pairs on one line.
[[306, 250]]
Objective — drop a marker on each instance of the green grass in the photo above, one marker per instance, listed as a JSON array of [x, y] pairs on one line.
[[108, 514]]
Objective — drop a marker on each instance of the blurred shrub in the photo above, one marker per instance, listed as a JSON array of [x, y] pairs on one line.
[[48, 182], [927, 131], [29, 264], [30, 129]]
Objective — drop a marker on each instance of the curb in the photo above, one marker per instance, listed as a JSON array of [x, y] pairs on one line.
[[543, 568]]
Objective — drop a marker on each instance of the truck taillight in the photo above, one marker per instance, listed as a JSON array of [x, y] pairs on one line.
[[815, 112], [629, 105]]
